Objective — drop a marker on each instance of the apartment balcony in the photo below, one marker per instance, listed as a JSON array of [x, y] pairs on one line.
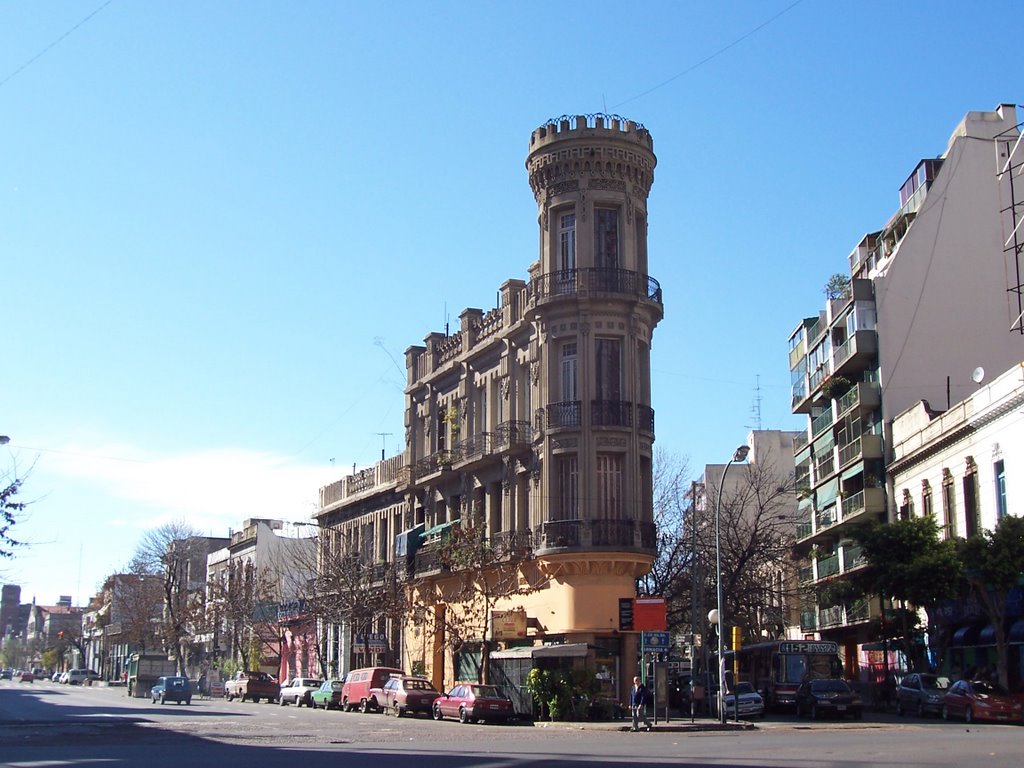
[[853, 558], [821, 422], [434, 464], [799, 442], [824, 466], [510, 543], [594, 534], [512, 435], [611, 413], [564, 415], [808, 621], [828, 566], [801, 397], [806, 575], [860, 506], [862, 397], [572, 283], [863, 447], [428, 561], [856, 353], [804, 529]]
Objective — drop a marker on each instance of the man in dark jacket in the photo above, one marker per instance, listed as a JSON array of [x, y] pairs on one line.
[[638, 704]]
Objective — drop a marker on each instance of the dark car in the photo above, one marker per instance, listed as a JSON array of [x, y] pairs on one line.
[[921, 694], [981, 700], [328, 695], [471, 702], [818, 698], [177, 689], [405, 693]]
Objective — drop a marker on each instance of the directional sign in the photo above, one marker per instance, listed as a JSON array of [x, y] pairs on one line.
[[656, 641]]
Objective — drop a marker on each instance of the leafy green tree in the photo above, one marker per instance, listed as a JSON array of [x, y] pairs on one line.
[[993, 564], [908, 563]]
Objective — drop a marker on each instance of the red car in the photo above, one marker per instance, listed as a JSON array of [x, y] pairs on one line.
[[981, 700], [405, 694], [471, 702]]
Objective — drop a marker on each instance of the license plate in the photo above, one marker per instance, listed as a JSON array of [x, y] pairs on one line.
[[841, 707], [492, 706]]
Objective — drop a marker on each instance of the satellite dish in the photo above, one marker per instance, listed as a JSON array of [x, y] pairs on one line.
[[978, 375]]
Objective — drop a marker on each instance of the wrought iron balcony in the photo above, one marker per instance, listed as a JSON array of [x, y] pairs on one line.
[[565, 414], [611, 533], [512, 434], [645, 418], [569, 282], [559, 534]]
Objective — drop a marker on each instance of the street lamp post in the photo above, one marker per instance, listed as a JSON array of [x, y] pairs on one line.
[[719, 618]]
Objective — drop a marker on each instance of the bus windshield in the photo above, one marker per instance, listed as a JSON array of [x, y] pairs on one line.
[[800, 667]]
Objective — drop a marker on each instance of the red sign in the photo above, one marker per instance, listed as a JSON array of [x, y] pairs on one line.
[[650, 614]]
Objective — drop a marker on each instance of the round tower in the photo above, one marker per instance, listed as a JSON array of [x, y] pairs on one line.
[[595, 308]]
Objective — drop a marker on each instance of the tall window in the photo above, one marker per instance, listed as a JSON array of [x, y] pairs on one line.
[[606, 238], [972, 518], [608, 384], [567, 481], [948, 504], [1000, 473], [568, 377], [926, 499], [609, 486], [567, 241]]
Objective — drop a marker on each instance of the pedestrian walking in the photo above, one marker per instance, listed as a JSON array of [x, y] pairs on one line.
[[638, 704]]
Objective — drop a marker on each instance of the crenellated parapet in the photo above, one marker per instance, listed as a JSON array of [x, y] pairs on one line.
[[574, 153]]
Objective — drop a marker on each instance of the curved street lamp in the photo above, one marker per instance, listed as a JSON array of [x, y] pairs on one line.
[[719, 614]]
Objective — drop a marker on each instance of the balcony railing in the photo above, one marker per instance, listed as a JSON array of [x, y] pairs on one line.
[[799, 441], [808, 621], [804, 529], [512, 542], [821, 422], [567, 282], [611, 413], [565, 414], [824, 466], [806, 575], [853, 557], [611, 533], [825, 518], [512, 434], [559, 533]]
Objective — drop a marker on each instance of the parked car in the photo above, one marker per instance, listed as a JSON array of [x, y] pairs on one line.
[[921, 694], [299, 690], [24, 676], [6, 673], [471, 702], [253, 685], [79, 676], [177, 689], [827, 697], [405, 693], [981, 700], [328, 695], [751, 704], [358, 683], [56, 677]]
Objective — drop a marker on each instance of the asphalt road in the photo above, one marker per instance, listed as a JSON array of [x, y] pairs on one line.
[[44, 724]]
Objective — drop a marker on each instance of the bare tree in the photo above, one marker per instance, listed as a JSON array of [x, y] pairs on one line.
[[477, 575], [243, 606], [670, 574], [173, 552], [758, 518]]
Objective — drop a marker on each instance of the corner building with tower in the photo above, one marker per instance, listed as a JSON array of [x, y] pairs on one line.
[[531, 426]]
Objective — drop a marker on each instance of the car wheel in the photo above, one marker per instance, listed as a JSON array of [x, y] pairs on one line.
[[968, 716], [438, 714], [397, 710], [188, 702], [945, 712], [282, 702], [364, 706], [463, 715]]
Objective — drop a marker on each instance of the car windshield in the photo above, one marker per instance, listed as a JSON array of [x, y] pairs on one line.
[[934, 682], [744, 688], [829, 686], [337, 685]]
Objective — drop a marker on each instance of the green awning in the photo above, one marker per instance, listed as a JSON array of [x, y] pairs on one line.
[[438, 530]]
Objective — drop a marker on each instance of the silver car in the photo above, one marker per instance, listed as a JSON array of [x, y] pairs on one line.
[[921, 694]]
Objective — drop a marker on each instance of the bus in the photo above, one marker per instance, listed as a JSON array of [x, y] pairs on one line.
[[777, 668]]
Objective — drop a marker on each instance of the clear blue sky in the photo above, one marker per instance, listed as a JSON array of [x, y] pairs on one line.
[[222, 223]]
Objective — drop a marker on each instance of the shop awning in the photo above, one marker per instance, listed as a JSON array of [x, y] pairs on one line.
[[987, 635], [966, 637], [568, 650], [1016, 634]]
